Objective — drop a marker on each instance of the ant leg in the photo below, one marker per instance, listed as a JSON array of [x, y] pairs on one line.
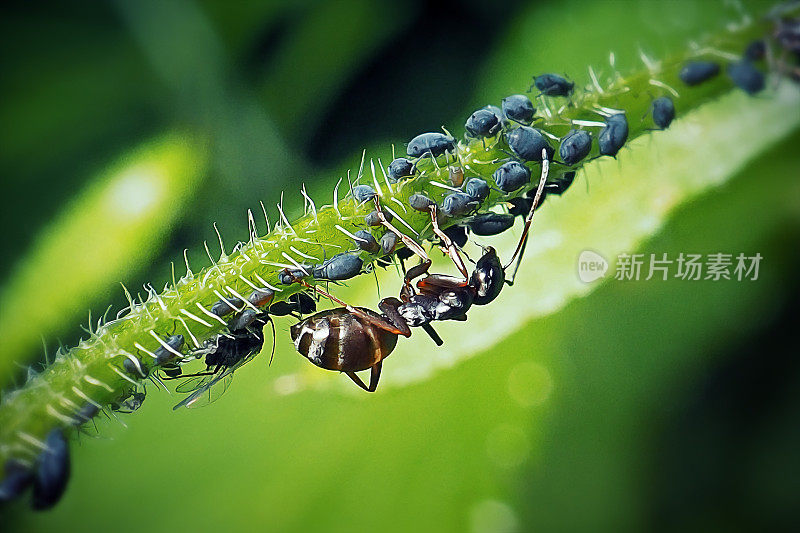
[[357, 380], [400, 328], [510, 282], [389, 307], [411, 244], [274, 338], [432, 334], [374, 376], [536, 199], [452, 250]]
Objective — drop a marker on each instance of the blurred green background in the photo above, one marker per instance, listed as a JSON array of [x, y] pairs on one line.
[[647, 405]]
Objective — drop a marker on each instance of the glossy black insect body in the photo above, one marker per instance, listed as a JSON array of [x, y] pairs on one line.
[[420, 202], [487, 224], [477, 188], [527, 143], [559, 186], [297, 304], [366, 241], [613, 135], [363, 193], [388, 242], [663, 112], [575, 146], [372, 218], [400, 168], [226, 306], [519, 108], [243, 319], [134, 367], [169, 352], [434, 144], [553, 85], [458, 203], [18, 478], [747, 77], [86, 413], [696, 72], [511, 176], [483, 123], [498, 113], [457, 234], [339, 267], [52, 471], [223, 356], [755, 51]]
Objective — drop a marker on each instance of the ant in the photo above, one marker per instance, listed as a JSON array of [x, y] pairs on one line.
[[351, 339]]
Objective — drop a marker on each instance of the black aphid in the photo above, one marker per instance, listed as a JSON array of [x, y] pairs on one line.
[[136, 368], [52, 471], [663, 112], [477, 188], [457, 234], [553, 85], [166, 353], [519, 108], [511, 176], [388, 242], [366, 241], [243, 319], [339, 267], [373, 219], [696, 72], [430, 143], [483, 123], [458, 203], [17, 478], [575, 146], [400, 168], [755, 51], [226, 306], [298, 303], [559, 186], [363, 193], [745, 76], [613, 135], [420, 202], [527, 143], [487, 224]]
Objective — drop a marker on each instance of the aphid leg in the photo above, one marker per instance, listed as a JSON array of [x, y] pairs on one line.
[[529, 217], [452, 249], [374, 376]]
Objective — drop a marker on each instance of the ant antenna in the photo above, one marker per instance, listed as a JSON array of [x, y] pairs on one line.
[[452, 250], [536, 199]]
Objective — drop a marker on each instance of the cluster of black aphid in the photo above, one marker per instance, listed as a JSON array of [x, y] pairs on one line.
[[351, 339]]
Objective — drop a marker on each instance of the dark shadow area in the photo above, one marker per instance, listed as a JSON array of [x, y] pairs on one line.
[[425, 76], [728, 457]]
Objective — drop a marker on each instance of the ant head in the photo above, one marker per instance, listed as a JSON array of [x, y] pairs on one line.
[[488, 277]]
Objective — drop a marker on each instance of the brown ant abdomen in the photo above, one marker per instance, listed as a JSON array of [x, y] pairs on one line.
[[337, 339]]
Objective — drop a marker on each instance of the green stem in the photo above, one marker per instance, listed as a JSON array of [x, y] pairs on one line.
[[94, 372]]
